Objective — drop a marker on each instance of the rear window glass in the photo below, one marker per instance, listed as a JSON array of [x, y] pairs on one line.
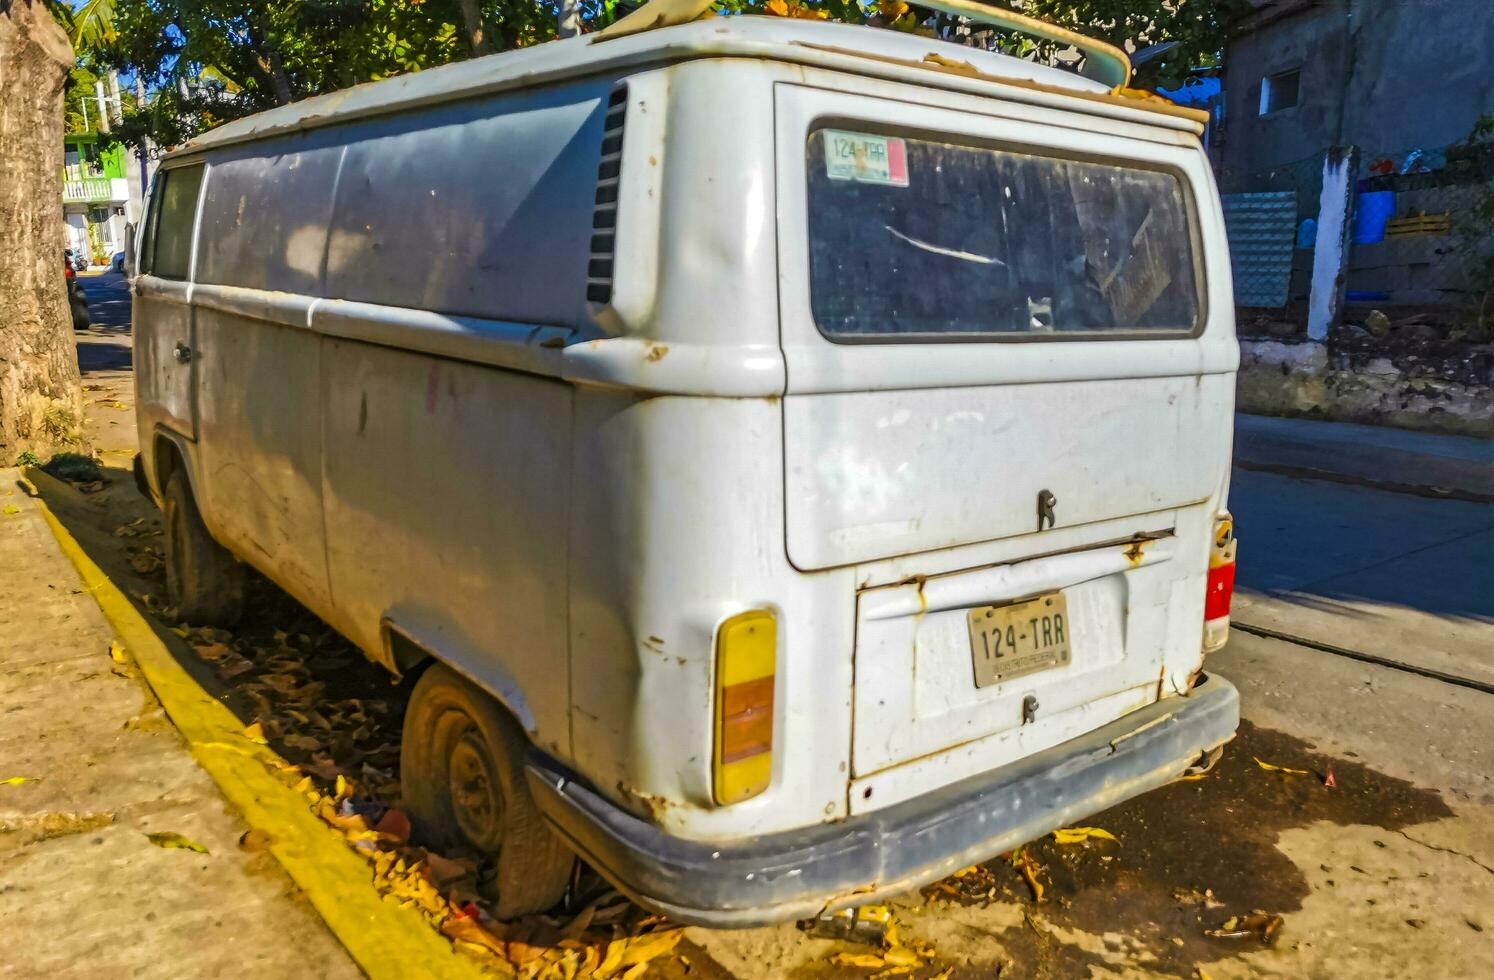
[[913, 238]]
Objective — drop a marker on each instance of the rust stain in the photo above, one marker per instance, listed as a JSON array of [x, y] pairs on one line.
[[655, 806], [656, 353], [1135, 550]]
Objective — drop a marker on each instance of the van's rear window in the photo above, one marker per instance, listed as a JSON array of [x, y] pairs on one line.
[[919, 239]]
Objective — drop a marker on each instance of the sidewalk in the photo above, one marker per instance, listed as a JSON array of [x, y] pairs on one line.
[[83, 891], [1457, 467]]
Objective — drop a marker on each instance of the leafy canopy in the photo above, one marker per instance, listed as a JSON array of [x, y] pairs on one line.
[[207, 61]]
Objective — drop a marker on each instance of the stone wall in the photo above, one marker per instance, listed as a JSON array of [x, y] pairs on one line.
[[1449, 390]]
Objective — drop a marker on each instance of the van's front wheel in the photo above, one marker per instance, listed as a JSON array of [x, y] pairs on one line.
[[462, 778], [203, 580]]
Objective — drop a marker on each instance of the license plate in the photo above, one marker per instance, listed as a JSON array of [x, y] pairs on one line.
[[1019, 638]]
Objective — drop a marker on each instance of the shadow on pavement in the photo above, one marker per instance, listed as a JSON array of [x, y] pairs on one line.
[[102, 354]]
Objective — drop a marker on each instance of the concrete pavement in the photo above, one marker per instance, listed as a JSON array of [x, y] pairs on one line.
[[83, 891], [1393, 577]]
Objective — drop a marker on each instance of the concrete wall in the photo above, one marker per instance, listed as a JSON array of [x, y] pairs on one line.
[[1421, 75]]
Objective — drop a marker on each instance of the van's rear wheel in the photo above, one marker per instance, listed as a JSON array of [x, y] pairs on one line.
[[462, 778], [203, 580]]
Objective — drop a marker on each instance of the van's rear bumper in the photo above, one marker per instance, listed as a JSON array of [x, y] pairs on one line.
[[800, 873]]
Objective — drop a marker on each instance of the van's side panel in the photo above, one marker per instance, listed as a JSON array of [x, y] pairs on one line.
[[446, 499], [260, 244], [676, 525]]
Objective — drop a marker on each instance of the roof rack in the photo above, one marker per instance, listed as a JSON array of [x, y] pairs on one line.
[[1103, 62]]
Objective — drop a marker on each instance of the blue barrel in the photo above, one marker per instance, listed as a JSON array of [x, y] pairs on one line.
[[1372, 209]]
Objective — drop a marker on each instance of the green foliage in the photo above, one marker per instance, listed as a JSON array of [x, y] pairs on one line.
[[208, 61], [1197, 27], [74, 468], [28, 458]]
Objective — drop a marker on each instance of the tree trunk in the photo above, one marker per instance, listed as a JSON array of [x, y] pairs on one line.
[[41, 396], [472, 20]]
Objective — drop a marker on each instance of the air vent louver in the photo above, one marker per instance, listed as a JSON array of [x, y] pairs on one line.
[[604, 218]]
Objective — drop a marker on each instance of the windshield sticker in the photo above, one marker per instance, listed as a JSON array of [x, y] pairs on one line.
[[869, 159]]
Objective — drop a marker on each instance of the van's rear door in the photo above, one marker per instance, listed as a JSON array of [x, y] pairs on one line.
[[996, 320]]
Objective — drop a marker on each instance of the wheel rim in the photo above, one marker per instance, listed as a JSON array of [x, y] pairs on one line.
[[475, 793]]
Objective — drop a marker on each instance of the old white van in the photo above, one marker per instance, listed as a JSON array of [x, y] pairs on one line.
[[792, 456]]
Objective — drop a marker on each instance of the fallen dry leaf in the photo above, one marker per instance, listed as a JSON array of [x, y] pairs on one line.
[[867, 961], [1257, 925], [1078, 835], [1028, 869], [1281, 769], [171, 840], [255, 840], [145, 562], [468, 930], [18, 780], [12, 509], [256, 733]]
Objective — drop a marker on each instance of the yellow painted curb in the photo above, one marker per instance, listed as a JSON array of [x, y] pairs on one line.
[[385, 940]]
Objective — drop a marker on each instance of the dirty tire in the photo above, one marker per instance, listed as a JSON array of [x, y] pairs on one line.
[[462, 779], [78, 308], [203, 580], [137, 470]]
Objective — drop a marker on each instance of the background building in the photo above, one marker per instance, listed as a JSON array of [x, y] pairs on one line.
[[1403, 82], [95, 197]]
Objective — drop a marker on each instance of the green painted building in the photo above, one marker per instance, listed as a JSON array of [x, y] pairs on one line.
[[95, 196]]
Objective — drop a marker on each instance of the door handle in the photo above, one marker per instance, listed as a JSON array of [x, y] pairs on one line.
[[181, 352]]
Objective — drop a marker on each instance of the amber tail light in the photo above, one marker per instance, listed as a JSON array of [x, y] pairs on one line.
[[746, 673]]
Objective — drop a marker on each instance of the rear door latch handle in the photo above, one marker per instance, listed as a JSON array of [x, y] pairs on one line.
[[182, 352], [1045, 504]]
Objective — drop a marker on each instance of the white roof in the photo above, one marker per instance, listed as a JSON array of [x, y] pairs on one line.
[[843, 47]]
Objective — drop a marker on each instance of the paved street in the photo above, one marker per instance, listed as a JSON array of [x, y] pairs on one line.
[[1387, 873]]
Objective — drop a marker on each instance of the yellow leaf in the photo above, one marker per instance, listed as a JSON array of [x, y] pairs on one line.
[[12, 509], [1077, 835], [344, 788], [1024, 864], [172, 840], [866, 961], [966, 871], [901, 956], [645, 948], [1281, 769], [116, 652], [256, 733], [613, 959], [778, 8], [18, 780]]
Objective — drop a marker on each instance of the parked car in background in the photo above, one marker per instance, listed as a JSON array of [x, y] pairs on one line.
[[117, 263], [77, 303]]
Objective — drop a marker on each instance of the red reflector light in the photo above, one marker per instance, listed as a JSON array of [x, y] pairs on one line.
[[1221, 590]]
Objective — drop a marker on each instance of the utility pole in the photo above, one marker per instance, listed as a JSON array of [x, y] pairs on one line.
[[98, 91], [144, 150], [570, 18]]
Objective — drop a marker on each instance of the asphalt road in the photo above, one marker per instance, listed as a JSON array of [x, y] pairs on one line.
[[108, 296]]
